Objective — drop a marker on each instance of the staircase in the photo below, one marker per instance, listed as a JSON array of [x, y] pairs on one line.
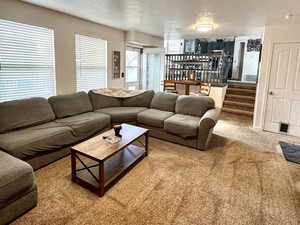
[[240, 98]]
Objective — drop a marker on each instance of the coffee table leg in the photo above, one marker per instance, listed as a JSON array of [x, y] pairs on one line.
[[73, 165], [146, 143], [101, 178]]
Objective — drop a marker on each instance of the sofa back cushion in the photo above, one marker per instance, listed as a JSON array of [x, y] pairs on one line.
[[164, 101], [194, 105], [24, 113], [100, 101], [71, 104], [141, 100]]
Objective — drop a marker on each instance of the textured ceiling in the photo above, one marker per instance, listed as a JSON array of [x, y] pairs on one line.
[[177, 18]]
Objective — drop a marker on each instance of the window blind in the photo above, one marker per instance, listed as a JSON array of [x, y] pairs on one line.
[[132, 65], [27, 64], [91, 69]]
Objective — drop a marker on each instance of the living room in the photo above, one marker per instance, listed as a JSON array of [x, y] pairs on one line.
[[149, 112]]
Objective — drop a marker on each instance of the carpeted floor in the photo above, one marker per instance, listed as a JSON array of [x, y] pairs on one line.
[[239, 128], [241, 179]]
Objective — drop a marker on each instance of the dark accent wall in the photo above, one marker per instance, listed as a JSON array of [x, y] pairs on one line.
[[227, 46], [203, 47]]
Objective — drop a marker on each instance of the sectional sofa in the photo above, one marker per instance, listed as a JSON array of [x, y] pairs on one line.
[[35, 132]]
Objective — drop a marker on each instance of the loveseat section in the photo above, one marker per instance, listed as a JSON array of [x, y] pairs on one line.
[[28, 128]]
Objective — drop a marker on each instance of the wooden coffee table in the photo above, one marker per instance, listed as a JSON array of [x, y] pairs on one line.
[[107, 162]]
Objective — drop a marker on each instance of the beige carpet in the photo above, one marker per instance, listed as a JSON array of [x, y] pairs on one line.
[[239, 128], [232, 183]]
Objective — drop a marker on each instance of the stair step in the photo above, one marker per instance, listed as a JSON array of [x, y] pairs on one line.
[[237, 111], [240, 96], [239, 107], [241, 100], [242, 86], [242, 104], [240, 91]]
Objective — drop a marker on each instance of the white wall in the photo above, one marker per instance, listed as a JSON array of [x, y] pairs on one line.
[[65, 27], [285, 33], [250, 64], [218, 94]]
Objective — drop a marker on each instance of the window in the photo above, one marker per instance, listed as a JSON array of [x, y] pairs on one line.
[[27, 65], [133, 61], [90, 63]]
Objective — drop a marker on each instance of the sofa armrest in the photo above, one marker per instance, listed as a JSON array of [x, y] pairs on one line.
[[206, 125]]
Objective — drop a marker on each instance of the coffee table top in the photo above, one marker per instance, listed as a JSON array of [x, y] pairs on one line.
[[99, 149]]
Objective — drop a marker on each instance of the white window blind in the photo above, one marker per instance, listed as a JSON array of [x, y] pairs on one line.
[[27, 65], [91, 66]]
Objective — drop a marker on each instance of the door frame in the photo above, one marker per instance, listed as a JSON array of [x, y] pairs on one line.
[[267, 80], [236, 58], [241, 60]]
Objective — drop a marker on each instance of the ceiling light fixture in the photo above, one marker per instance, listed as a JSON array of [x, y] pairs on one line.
[[288, 16], [204, 27]]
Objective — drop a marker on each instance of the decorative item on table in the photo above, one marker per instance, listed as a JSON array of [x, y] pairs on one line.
[[117, 129], [112, 139]]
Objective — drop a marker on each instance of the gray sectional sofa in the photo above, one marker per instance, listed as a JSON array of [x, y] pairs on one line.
[[35, 132]]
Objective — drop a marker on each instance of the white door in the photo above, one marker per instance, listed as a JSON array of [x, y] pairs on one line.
[[283, 104]]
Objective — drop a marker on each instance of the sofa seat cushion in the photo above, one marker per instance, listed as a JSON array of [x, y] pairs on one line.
[[86, 124], [122, 114], [16, 177], [153, 117], [182, 125], [35, 140]]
